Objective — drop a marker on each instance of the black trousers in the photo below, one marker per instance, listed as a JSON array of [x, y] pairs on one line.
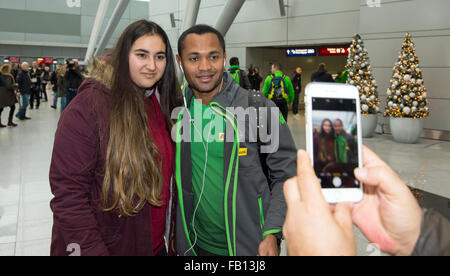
[[44, 91], [283, 107], [11, 112], [296, 102], [35, 95]]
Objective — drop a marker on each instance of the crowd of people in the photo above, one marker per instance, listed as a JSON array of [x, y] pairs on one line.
[[123, 186], [28, 87]]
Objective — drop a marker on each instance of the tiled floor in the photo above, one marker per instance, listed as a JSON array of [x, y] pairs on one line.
[[25, 155]]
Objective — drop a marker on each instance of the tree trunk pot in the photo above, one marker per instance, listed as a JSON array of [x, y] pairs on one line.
[[406, 130], [369, 124]]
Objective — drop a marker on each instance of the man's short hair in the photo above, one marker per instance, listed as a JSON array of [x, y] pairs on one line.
[[322, 67], [338, 120], [234, 61], [277, 66], [200, 30]]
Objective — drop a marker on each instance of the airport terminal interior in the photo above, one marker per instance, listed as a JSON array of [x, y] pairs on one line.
[[260, 33]]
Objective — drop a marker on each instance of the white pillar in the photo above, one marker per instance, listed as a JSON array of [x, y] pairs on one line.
[[229, 13], [96, 28], [112, 24], [190, 17]]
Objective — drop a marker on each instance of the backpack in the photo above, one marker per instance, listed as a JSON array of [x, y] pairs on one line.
[[278, 88], [236, 76], [256, 99]]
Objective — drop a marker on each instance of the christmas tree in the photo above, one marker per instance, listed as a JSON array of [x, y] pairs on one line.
[[407, 95], [360, 75]]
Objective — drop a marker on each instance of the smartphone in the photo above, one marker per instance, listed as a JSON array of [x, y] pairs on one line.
[[334, 139]]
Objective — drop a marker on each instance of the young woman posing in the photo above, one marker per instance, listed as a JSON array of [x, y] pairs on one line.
[[113, 156]]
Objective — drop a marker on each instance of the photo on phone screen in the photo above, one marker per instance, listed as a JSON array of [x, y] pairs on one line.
[[335, 140]]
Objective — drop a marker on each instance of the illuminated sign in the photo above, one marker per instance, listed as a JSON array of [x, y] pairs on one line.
[[14, 59], [303, 52], [333, 51]]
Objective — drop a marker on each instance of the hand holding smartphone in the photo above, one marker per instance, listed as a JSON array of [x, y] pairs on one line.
[[333, 139]]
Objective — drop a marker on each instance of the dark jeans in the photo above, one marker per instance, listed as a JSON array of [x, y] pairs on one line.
[[55, 98], [283, 107], [296, 102], [44, 91], [25, 98], [63, 103], [34, 95], [71, 93]]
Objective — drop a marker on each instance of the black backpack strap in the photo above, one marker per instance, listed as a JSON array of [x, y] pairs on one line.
[[256, 99]]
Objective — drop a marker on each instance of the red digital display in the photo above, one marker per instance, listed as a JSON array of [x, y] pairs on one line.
[[333, 51], [14, 59]]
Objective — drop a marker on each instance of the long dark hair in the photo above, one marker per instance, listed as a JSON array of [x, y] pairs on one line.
[[326, 153], [133, 173], [322, 131]]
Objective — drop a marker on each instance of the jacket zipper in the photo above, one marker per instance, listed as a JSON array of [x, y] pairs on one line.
[[234, 154]]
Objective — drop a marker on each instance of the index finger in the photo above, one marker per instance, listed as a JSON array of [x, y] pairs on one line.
[[309, 186]]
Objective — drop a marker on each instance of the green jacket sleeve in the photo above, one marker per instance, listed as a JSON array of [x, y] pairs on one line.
[[266, 88], [290, 89]]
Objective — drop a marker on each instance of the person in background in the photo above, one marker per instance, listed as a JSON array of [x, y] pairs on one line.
[[388, 215], [254, 78], [8, 95], [24, 88], [45, 79], [113, 157], [278, 88], [342, 77], [321, 75], [297, 83], [54, 82], [237, 74], [35, 75], [61, 83], [15, 70], [73, 80]]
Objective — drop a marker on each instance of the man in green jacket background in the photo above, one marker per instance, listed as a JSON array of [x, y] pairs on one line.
[[278, 88], [238, 75]]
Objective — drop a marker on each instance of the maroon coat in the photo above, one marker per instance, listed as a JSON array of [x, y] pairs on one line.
[[76, 177]]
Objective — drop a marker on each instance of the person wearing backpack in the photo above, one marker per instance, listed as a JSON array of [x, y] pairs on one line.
[[278, 88], [237, 74]]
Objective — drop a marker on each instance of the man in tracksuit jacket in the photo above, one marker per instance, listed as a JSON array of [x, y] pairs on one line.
[[252, 205]]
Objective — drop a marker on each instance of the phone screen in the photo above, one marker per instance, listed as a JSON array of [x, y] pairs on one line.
[[335, 139]]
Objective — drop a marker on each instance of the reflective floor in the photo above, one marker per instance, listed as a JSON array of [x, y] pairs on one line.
[[25, 155]]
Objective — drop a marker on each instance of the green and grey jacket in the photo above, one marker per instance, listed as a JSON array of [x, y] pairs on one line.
[[254, 205]]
